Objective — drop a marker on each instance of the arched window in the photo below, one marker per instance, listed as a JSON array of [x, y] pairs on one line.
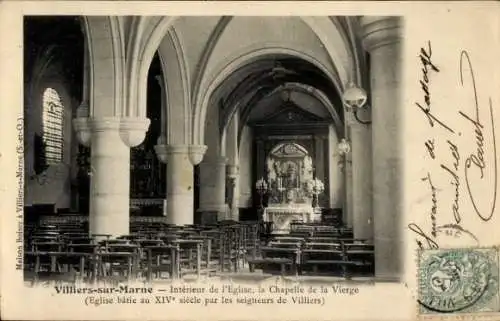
[[52, 126]]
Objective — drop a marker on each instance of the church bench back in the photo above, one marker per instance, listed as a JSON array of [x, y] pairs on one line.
[[288, 239]]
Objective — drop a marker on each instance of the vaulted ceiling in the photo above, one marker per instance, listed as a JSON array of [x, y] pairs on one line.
[[258, 88], [55, 40], [281, 52]]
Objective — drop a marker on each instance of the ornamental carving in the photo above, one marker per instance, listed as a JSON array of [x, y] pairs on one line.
[[288, 168]]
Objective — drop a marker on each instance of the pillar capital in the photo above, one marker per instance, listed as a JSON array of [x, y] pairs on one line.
[[194, 152], [163, 151], [380, 31], [132, 130]]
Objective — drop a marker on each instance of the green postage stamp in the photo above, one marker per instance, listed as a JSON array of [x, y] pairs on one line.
[[458, 281]]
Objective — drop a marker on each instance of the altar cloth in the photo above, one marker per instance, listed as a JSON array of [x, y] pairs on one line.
[[282, 215]]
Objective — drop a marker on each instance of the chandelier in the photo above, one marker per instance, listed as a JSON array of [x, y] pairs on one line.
[[354, 99]]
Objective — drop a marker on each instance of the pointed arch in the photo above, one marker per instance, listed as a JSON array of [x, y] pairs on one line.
[[155, 30], [176, 84], [106, 61], [200, 108]]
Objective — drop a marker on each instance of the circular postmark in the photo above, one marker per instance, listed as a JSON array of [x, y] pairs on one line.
[[457, 280]]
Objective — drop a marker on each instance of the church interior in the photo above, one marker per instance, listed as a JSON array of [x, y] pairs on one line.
[[162, 148]]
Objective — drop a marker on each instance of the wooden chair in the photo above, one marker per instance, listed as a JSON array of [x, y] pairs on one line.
[[323, 239], [121, 257], [362, 256], [251, 239], [327, 256], [81, 240], [284, 255], [162, 258], [209, 265], [90, 264], [232, 250], [288, 239], [190, 254], [215, 256], [35, 270]]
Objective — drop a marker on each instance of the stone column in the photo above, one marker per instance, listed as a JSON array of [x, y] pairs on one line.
[[361, 180], [348, 191], [233, 176], [110, 139], [213, 189], [382, 38], [232, 169], [180, 160], [319, 166], [336, 186]]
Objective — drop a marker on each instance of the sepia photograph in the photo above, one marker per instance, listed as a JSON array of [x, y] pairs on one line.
[[176, 148], [230, 160]]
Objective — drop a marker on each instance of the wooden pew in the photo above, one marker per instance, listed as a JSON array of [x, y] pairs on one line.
[[282, 254], [53, 274], [324, 255], [162, 258], [190, 255], [287, 239], [363, 257]]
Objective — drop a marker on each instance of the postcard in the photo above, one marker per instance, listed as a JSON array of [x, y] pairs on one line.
[[249, 160]]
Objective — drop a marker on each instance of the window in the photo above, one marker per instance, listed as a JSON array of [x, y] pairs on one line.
[[52, 126]]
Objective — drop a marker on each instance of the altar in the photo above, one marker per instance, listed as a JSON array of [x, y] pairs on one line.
[[289, 185], [282, 215]]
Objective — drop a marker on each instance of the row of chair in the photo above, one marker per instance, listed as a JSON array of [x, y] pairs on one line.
[[304, 255], [152, 250], [148, 251]]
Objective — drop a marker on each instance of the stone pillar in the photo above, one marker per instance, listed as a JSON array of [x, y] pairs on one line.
[[382, 38], [336, 184], [213, 189], [180, 160], [232, 170], [110, 139], [361, 180], [348, 191], [234, 195], [319, 167]]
